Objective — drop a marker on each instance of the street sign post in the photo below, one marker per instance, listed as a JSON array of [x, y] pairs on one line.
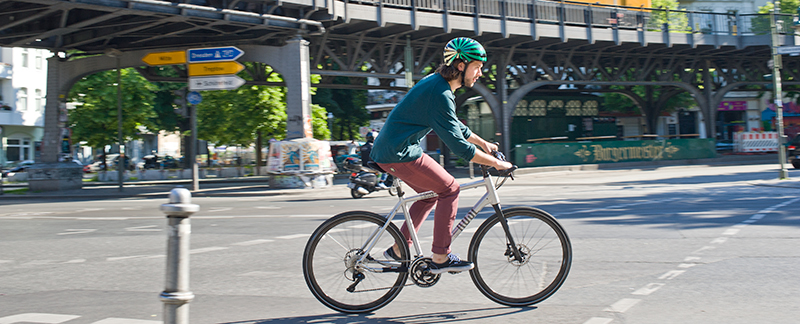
[[213, 54], [217, 68], [219, 82], [165, 58]]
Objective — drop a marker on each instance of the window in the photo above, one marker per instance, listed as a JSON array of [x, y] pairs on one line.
[[24, 57], [23, 99], [38, 61], [39, 100], [18, 149]]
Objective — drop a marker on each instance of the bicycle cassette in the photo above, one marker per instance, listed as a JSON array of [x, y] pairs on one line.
[[421, 274]]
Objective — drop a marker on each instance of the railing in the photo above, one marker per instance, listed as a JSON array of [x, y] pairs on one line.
[[599, 15]]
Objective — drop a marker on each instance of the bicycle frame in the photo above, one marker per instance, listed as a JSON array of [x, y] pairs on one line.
[[490, 197]]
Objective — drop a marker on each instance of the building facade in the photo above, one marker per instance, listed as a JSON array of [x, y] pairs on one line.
[[23, 85]]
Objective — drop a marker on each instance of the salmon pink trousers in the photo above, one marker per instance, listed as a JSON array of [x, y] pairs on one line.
[[424, 174]]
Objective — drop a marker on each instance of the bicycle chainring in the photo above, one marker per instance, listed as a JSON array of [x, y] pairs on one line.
[[421, 274]]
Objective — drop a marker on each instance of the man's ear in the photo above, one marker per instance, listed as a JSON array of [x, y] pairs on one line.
[[461, 66]]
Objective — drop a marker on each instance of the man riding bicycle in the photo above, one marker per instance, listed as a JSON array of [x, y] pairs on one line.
[[430, 105]]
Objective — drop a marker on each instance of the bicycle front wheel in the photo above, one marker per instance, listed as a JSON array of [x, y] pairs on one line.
[[546, 252], [336, 277]]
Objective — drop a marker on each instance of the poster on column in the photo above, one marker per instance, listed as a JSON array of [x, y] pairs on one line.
[[290, 156]]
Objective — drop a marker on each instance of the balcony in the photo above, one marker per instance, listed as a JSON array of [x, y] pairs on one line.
[[5, 70]]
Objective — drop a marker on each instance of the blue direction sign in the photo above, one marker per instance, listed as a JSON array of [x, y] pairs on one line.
[[194, 98], [213, 54]]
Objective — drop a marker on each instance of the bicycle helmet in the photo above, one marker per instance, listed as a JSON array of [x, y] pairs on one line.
[[464, 48]]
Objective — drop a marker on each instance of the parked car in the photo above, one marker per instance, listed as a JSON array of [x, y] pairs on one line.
[[16, 169], [793, 152]]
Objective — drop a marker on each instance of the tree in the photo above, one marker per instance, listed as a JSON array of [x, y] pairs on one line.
[[676, 19], [95, 118], [650, 101], [347, 106]]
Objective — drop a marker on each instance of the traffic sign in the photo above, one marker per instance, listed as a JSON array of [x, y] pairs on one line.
[[201, 69], [220, 82], [194, 98], [791, 50], [213, 54], [165, 58]]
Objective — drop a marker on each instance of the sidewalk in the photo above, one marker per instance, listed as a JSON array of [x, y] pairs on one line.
[[258, 185]]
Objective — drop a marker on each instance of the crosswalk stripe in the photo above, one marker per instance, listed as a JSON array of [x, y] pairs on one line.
[[37, 318]]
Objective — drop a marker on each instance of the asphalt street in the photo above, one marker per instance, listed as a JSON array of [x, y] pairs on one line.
[[671, 244]]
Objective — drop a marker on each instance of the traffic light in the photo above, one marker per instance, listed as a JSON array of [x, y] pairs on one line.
[[180, 101]]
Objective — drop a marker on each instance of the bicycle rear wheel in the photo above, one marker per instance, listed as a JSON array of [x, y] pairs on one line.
[[331, 269], [547, 257]]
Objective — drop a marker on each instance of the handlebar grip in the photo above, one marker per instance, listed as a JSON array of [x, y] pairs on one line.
[[507, 172]]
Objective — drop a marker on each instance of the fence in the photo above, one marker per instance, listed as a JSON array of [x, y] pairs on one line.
[[600, 15]]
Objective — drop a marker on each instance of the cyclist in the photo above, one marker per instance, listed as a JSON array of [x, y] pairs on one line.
[[430, 105]]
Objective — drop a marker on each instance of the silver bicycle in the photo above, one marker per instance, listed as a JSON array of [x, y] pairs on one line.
[[522, 255]]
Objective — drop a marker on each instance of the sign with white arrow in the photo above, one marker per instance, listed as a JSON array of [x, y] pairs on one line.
[[217, 82], [213, 54], [791, 50]]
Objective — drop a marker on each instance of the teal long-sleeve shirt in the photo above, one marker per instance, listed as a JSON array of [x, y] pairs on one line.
[[429, 105]]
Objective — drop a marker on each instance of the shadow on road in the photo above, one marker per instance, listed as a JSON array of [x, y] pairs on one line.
[[437, 317]]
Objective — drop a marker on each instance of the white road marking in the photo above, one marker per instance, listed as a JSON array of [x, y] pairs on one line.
[[131, 208], [75, 261], [37, 318], [153, 256], [719, 240], [757, 216], [219, 209], [622, 305], [671, 274], [6, 261], [114, 320], [146, 228], [686, 265], [207, 249], [731, 231], [253, 242], [71, 231], [649, 289], [691, 258], [88, 210], [101, 218], [268, 207], [293, 236], [703, 249], [598, 320], [364, 225]]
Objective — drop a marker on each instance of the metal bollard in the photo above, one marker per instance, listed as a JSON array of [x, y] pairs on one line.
[[176, 295]]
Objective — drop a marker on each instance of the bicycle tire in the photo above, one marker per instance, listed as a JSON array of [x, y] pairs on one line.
[[505, 281], [328, 271]]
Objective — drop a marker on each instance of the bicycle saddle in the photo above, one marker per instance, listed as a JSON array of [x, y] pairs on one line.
[[373, 165]]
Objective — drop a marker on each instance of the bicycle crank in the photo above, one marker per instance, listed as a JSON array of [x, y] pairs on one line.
[[421, 274]]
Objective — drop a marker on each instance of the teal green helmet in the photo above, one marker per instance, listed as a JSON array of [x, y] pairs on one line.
[[464, 48]]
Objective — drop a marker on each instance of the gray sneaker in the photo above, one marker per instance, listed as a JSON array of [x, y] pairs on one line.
[[453, 264]]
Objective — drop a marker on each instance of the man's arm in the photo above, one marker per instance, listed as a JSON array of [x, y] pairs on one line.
[[485, 158]]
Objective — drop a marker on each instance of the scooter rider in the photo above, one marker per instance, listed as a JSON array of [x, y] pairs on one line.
[[365, 158]]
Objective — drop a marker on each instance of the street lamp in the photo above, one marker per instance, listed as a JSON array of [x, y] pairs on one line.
[[776, 82]]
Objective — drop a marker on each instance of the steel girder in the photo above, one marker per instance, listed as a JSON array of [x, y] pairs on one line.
[[517, 66], [91, 26]]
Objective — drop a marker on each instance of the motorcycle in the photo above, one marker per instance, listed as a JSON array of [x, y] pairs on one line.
[[364, 180]]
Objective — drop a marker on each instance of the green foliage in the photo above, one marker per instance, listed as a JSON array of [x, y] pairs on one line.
[[347, 107], [676, 19], [95, 118], [232, 117], [760, 24]]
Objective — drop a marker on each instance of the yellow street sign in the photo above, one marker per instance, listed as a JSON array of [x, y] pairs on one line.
[[218, 68], [165, 58]]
